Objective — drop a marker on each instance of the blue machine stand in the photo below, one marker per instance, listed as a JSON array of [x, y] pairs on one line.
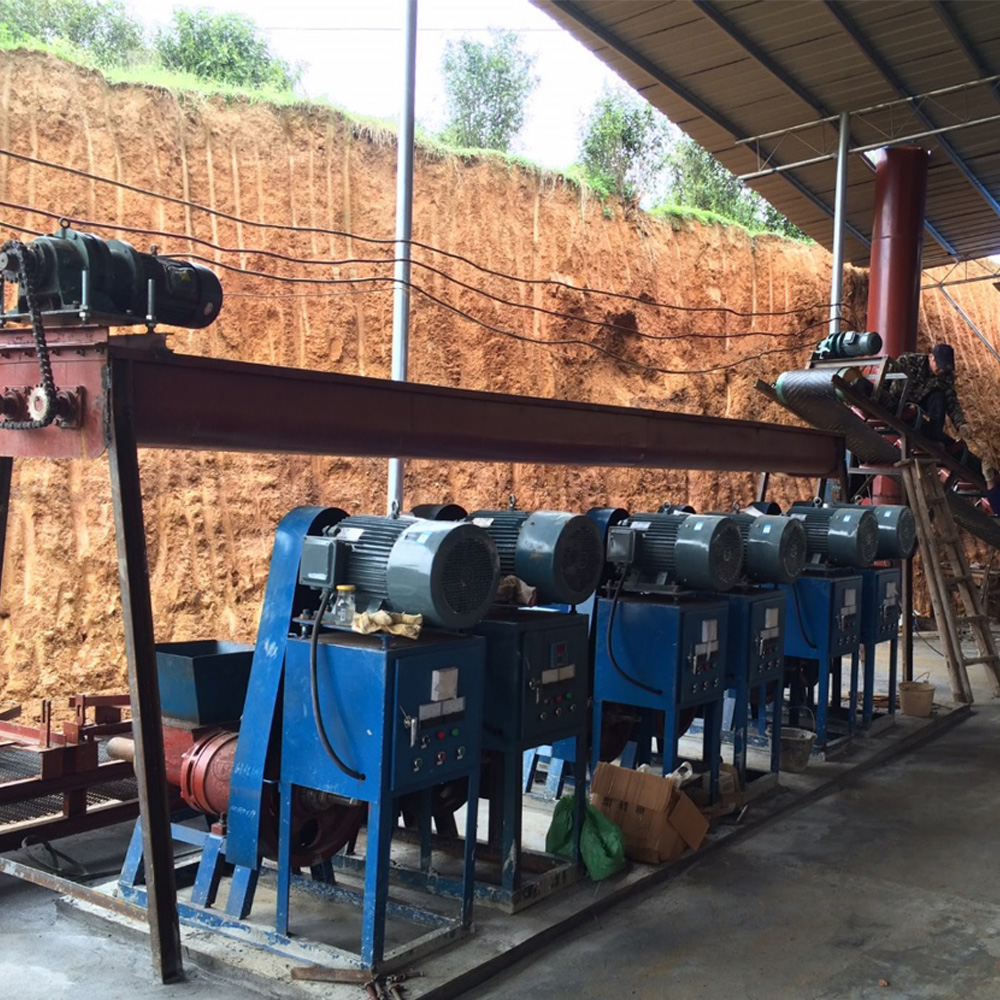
[[665, 656], [536, 691], [756, 661], [880, 613], [823, 625]]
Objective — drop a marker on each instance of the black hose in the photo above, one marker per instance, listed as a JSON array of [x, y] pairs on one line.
[[611, 654], [798, 615], [324, 602]]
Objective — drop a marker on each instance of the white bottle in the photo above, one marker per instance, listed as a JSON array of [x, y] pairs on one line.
[[343, 606]]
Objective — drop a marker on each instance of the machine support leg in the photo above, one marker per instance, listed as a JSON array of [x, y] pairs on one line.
[[376, 899], [868, 701], [284, 857], [776, 713], [144, 689], [671, 738], [907, 597], [893, 666], [6, 474], [741, 719], [469, 859], [579, 794], [852, 701], [206, 882], [510, 853], [424, 818], [822, 699], [711, 743], [595, 750]]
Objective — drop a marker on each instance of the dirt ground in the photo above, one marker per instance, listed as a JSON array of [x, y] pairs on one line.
[[211, 516]]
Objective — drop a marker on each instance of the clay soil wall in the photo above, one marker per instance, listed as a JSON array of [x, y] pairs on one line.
[[211, 517]]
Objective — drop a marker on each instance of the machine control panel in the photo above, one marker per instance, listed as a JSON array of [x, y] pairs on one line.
[[702, 659], [438, 727], [766, 658], [846, 615], [538, 678]]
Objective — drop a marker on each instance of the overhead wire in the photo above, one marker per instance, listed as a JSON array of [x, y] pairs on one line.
[[353, 261], [387, 241], [560, 342]]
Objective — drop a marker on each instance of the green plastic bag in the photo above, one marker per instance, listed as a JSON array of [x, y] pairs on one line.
[[602, 845]]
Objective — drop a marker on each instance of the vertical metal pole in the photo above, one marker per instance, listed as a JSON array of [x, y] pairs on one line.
[[144, 689], [404, 229], [839, 207], [6, 474]]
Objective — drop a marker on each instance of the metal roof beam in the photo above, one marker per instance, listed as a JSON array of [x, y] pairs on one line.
[[652, 70], [965, 43], [890, 75], [766, 60]]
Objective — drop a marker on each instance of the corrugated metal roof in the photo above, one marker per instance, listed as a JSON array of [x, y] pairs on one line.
[[729, 69]]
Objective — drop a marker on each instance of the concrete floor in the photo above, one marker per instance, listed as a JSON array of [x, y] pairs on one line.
[[888, 880]]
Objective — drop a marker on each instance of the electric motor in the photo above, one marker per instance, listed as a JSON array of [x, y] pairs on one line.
[[774, 547], [77, 273], [843, 536], [897, 530], [446, 571], [560, 554], [849, 344], [701, 551]]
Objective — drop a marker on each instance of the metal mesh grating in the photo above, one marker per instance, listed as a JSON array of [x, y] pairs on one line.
[[467, 578]]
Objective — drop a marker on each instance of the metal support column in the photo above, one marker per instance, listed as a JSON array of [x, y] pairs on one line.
[[6, 474], [404, 230], [839, 208], [144, 690]]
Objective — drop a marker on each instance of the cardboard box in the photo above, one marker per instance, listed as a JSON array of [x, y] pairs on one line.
[[658, 821]]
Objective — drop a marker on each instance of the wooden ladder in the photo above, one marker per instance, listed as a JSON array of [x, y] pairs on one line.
[[947, 572]]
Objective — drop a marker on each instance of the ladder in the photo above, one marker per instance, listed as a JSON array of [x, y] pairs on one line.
[[947, 572]]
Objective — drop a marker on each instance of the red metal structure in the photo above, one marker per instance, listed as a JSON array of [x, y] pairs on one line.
[[897, 246]]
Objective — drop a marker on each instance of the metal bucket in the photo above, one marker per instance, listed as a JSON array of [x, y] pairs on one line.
[[796, 746]]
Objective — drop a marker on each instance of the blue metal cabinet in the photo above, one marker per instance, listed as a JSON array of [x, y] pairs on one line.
[[881, 607]]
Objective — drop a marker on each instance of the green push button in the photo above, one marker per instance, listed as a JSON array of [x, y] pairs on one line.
[[454, 732]]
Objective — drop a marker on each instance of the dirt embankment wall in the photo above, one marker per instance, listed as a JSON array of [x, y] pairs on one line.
[[211, 517]]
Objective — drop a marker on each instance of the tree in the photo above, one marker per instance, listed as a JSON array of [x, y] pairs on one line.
[[699, 180], [102, 27], [226, 48], [487, 86], [623, 144]]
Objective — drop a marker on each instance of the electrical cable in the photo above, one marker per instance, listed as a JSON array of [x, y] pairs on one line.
[[386, 241], [379, 261], [561, 342], [324, 602], [798, 615], [611, 653]]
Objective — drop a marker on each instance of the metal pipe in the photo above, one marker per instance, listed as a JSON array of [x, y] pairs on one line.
[[839, 209], [830, 119], [897, 245], [869, 148], [404, 231]]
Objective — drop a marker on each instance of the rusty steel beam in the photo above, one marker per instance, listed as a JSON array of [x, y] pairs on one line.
[[202, 403]]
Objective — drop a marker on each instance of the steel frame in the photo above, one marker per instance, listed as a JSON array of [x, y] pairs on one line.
[[139, 395]]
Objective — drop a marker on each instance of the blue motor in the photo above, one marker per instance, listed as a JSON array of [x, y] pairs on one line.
[[841, 536], [774, 547]]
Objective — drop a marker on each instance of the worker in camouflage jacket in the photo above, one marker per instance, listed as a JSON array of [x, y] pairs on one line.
[[930, 383]]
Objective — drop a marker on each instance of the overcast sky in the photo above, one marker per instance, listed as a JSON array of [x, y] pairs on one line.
[[351, 53]]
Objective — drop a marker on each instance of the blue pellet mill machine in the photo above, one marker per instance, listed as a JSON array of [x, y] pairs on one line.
[[337, 728], [661, 630], [839, 604], [537, 685]]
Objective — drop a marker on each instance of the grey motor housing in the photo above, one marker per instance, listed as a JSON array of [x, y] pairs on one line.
[[841, 536], [897, 530], [446, 571], [560, 554], [774, 547], [700, 551]]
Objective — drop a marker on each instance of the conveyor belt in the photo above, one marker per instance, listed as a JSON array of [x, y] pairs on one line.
[[811, 396]]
